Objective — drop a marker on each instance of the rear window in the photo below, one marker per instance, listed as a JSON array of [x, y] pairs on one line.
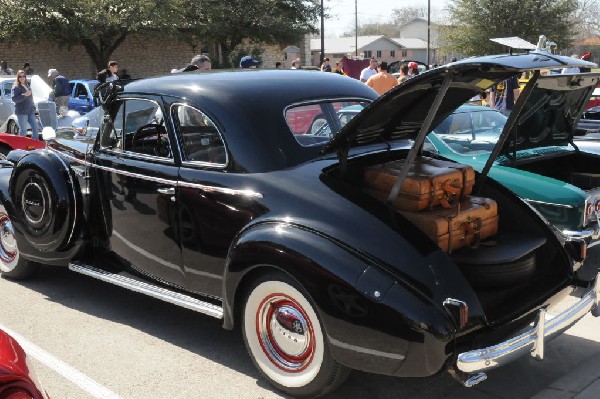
[[317, 123]]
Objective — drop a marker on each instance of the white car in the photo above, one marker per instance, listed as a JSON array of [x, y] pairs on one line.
[[41, 93]]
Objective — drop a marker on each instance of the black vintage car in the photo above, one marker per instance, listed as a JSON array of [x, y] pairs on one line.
[[205, 190]]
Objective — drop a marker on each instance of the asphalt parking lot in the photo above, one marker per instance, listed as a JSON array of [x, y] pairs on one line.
[[93, 340]]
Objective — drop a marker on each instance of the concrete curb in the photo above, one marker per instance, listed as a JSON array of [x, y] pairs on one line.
[[581, 383]]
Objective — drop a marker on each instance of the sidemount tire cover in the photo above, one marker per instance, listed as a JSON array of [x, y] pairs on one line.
[[42, 191]]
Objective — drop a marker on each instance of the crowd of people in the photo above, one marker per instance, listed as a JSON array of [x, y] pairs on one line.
[[501, 96]]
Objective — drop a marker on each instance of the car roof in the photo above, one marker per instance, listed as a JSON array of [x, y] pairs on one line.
[[249, 107]]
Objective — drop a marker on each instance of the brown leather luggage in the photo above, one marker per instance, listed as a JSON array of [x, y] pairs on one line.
[[430, 182], [473, 220]]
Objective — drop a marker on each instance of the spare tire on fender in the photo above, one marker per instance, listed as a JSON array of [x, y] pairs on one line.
[[42, 191]]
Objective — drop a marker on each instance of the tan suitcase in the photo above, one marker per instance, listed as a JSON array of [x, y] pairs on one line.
[[430, 182], [473, 220]]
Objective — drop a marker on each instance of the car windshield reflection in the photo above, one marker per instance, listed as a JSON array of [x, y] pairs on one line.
[[472, 132]]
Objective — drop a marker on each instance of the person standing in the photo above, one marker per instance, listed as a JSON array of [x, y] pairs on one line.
[[28, 69], [109, 74], [403, 72], [4, 69], [248, 62], [504, 94], [60, 90], [24, 106], [338, 68], [297, 64], [369, 71], [382, 81], [586, 57], [413, 69], [325, 66]]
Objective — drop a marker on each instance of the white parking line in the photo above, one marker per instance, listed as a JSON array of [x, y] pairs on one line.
[[78, 378]]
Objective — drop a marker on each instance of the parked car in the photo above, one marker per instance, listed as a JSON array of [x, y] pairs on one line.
[[41, 92], [17, 378], [552, 176], [197, 193], [82, 95], [9, 142]]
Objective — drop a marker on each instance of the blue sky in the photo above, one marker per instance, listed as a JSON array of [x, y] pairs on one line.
[[342, 12]]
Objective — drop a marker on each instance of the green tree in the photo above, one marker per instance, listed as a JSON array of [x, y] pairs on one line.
[[100, 26], [474, 22], [228, 24]]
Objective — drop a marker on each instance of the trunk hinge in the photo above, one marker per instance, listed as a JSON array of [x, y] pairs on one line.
[[510, 123], [420, 139]]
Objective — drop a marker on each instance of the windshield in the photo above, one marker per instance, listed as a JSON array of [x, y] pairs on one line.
[[471, 132]]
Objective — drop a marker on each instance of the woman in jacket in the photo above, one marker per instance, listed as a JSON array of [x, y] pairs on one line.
[[24, 105]]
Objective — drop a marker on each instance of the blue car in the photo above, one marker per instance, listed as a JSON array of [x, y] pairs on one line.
[[82, 95]]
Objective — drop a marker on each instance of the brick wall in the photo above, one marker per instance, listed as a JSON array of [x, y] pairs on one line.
[[142, 57]]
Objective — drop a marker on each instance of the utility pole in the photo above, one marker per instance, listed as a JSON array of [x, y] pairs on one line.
[[428, 29], [356, 28], [322, 33]]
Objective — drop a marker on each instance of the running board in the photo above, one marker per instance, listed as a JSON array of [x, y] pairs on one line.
[[154, 291]]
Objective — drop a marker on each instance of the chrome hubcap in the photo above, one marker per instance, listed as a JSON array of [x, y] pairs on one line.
[[8, 243], [285, 333]]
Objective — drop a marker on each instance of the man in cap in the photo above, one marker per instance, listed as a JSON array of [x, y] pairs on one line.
[[60, 90], [382, 81], [248, 62], [413, 69]]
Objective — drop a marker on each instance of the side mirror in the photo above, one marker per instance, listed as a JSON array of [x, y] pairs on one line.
[[48, 133]]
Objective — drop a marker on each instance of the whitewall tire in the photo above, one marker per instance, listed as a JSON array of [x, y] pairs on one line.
[[12, 265], [285, 338]]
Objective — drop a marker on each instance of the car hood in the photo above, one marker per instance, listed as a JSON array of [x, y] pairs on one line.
[[401, 112]]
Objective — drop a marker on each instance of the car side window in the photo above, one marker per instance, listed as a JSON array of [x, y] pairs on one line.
[[201, 139], [138, 127], [81, 91]]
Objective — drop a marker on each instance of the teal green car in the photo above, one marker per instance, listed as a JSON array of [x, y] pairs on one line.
[[539, 161]]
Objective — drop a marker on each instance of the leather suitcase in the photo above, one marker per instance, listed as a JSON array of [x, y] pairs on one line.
[[473, 220], [430, 182]]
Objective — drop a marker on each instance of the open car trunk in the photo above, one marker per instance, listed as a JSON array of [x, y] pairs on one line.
[[520, 264]]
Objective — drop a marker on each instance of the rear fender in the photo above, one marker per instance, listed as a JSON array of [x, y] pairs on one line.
[[372, 322]]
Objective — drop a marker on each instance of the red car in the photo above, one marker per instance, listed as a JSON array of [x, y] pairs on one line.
[[9, 142], [16, 379]]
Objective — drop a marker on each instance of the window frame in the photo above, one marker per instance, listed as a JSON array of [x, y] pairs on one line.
[[137, 155], [181, 141]]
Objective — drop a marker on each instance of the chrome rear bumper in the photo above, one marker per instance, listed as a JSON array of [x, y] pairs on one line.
[[532, 340]]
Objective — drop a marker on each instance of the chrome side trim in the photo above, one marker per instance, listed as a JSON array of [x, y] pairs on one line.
[[154, 291], [222, 190], [360, 349], [532, 340], [216, 189], [549, 203]]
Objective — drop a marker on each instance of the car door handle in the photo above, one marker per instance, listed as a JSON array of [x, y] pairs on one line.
[[167, 190]]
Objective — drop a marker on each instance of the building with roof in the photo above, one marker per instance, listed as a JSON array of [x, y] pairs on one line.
[[380, 47]]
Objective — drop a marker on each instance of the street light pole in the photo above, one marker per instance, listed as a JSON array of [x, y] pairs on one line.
[[322, 34]]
